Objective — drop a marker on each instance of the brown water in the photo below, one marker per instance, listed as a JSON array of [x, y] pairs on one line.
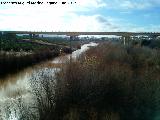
[[16, 90]]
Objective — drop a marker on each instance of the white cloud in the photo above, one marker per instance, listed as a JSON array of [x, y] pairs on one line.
[[72, 22], [67, 18], [134, 5], [131, 4], [135, 28], [50, 17]]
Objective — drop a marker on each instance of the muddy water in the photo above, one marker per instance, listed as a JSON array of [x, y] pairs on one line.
[[16, 90]]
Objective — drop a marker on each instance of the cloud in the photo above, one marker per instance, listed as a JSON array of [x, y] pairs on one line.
[[134, 5], [107, 23], [136, 28], [72, 22], [131, 4], [50, 17], [81, 16], [92, 4]]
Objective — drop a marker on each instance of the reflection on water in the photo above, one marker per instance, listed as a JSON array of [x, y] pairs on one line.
[[16, 90], [75, 54]]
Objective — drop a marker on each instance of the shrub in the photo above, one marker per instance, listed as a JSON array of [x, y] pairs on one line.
[[114, 79]]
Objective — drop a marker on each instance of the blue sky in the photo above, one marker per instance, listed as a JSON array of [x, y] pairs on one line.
[[84, 15]]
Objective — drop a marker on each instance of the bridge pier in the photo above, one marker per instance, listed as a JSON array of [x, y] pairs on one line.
[[32, 36], [123, 40], [1, 34], [72, 38], [126, 40]]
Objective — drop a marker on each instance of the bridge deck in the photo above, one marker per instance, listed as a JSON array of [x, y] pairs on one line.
[[85, 33]]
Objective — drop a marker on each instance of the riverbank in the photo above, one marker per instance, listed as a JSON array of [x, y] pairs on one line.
[[19, 92], [13, 62], [110, 81]]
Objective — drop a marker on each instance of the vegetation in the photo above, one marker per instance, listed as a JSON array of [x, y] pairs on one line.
[[109, 82], [151, 43], [65, 41], [17, 54], [12, 63], [12, 42], [56, 40]]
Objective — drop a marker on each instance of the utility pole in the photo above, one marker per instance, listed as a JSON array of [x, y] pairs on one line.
[[124, 40]]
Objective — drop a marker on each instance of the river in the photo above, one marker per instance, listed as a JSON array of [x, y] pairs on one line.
[[16, 90]]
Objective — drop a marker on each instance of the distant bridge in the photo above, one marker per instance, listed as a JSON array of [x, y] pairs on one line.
[[86, 33], [125, 35]]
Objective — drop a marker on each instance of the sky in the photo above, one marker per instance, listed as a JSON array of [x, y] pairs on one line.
[[81, 15]]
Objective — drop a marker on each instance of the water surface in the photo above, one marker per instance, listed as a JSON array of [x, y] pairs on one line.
[[16, 90]]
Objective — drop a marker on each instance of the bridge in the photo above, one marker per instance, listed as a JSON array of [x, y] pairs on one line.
[[85, 33], [124, 35]]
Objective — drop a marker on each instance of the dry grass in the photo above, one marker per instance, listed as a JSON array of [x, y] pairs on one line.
[[108, 82], [112, 78], [12, 64]]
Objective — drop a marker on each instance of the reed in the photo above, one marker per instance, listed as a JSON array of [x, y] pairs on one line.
[[114, 79], [108, 82]]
